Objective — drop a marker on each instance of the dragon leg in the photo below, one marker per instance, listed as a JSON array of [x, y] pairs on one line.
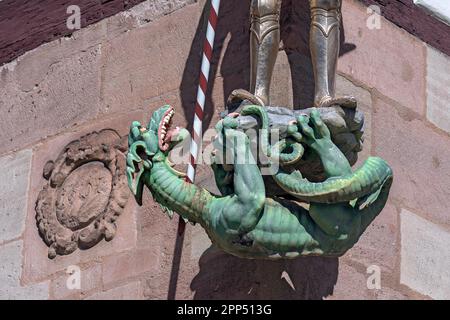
[[241, 209], [317, 136], [342, 185], [343, 224]]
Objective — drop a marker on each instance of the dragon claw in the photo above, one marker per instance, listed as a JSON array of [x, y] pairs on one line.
[[305, 127], [320, 127], [313, 128]]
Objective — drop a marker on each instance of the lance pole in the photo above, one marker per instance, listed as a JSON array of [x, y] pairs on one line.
[[197, 128]]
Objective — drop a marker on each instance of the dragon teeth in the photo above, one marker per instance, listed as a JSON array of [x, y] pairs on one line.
[[166, 122]]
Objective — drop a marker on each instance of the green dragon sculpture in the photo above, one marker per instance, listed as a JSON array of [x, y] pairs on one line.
[[322, 219]]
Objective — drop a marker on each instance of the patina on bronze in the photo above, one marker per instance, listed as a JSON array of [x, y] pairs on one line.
[[245, 220]]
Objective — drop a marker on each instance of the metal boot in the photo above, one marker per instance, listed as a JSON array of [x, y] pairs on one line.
[[264, 46], [324, 43]]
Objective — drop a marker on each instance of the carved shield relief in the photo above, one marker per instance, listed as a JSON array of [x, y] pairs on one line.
[[86, 191]]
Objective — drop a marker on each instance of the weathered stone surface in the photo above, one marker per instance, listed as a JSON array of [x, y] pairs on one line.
[[129, 264], [351, 285], [47, 93], [150, 10], [145, 64], [14, 177], [388, 59], [60, 84], [379, 245], [200, 242], [90, 279], [425, 258], [78, 196], [419, 157], [37, 265], [386, 293], [156, 230], [438, 89], [10, 273], [131, 291]]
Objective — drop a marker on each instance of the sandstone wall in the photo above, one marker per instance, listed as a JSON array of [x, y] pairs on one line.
[[123, 67]]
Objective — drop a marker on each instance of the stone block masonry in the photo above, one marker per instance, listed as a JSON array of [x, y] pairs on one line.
[[10, 273], [46, 89], [387, 59], [438, 89], [71, 81], [425, 257], [14, 177], [420, 157]]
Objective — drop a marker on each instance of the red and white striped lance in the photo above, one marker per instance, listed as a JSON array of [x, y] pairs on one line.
[[197, 128], [197, 131]]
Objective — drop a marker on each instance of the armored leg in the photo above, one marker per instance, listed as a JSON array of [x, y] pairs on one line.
[[264, 45], [324, 43]]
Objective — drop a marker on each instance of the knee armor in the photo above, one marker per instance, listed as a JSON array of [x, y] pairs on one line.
[[265, 17], [325, 15]]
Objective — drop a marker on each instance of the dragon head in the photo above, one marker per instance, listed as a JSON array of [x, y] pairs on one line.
[[147, 145]]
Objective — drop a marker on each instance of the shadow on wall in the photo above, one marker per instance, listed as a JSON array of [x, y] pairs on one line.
[[223, 276], [233, 32]]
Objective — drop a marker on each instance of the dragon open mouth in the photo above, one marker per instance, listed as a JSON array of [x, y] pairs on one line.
[[165, 133]]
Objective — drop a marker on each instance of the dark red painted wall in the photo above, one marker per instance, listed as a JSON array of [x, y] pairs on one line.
[[26, 24]]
